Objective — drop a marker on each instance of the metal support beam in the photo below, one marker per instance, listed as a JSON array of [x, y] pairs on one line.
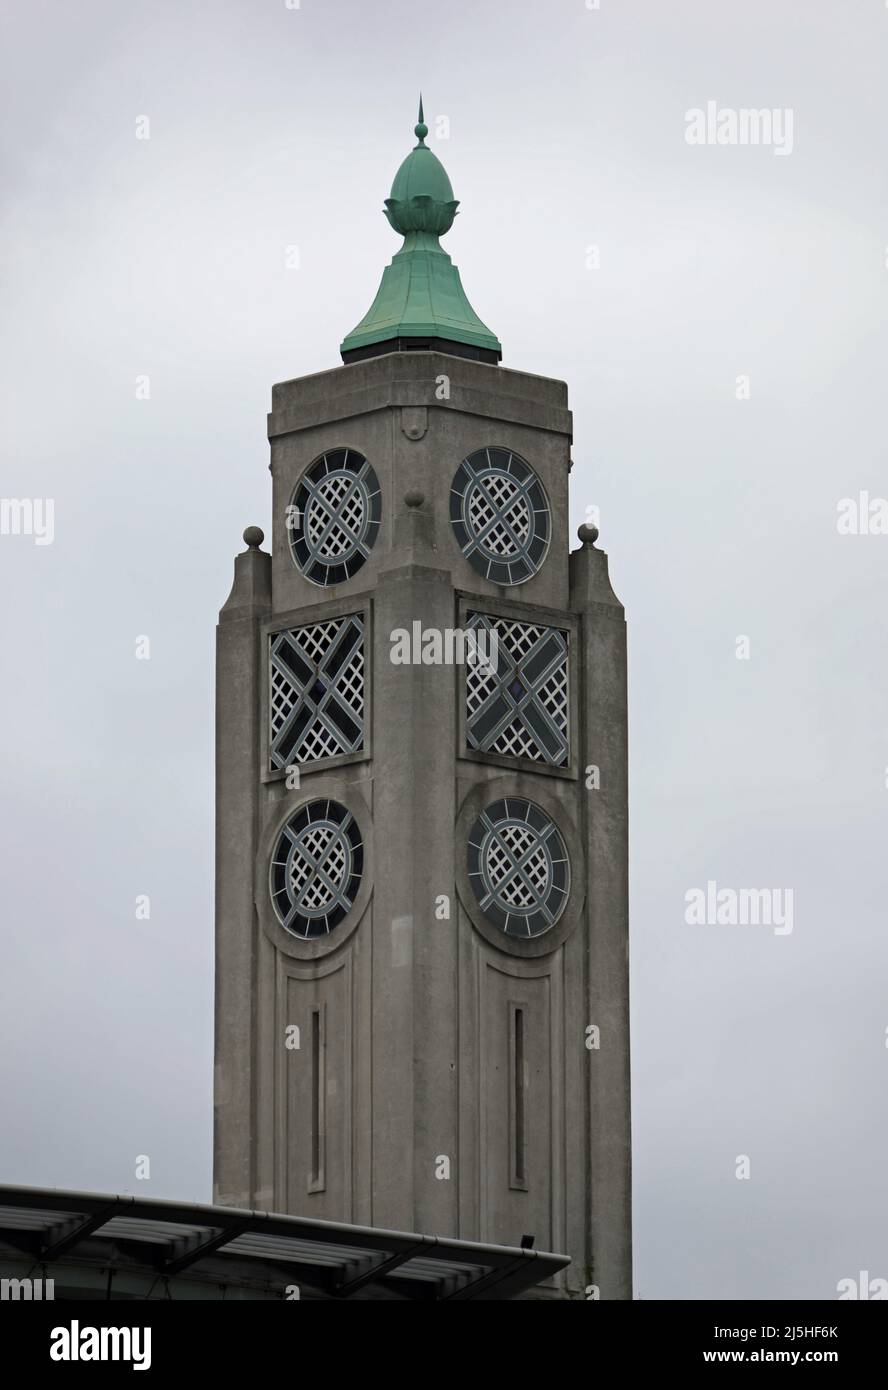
[[62, 1238], [381, 1267], [500, 1276], [188, 1252]]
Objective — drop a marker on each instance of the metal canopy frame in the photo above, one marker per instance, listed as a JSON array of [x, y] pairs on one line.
[[256, 1251]]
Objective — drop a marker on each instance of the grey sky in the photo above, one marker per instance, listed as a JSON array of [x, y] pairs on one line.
[[273, 128]]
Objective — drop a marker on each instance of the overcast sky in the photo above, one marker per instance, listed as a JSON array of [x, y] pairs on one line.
[[273, 127]]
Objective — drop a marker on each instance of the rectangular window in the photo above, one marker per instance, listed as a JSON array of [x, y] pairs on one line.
[[517, 1098], [316, 1180], [316, 691], [520, 708]]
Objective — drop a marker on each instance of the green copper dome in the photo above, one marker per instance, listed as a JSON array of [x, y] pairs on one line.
[[422, 175], [421, 301]]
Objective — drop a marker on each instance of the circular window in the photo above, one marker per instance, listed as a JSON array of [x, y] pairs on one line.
[[500, 516], [518, 867], [316, 869], [334, 518]]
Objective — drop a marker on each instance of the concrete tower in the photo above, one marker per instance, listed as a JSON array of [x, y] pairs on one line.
[[422, 1013]]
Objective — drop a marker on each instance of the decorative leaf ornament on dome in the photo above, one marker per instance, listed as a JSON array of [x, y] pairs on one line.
[[422, 197]]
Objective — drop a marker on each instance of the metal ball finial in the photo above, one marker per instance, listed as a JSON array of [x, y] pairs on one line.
[[253, 537], [588, 533]]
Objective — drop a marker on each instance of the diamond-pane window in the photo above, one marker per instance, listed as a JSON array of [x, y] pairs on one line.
[[518, 867], [520, 709], [317, 691], [500, 516], [334, 517], [316, 869]]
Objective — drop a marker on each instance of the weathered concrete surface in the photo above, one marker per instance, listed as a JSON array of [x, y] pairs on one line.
[[413, 996]]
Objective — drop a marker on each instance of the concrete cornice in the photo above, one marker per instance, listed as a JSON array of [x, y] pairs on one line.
[[411, 379]]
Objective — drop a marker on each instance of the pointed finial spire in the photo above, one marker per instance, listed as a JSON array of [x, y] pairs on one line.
[[420, 130]]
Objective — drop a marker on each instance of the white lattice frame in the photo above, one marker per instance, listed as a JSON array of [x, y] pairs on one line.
[[538, 616], [306, 616], [322, 740], [551, 691]]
